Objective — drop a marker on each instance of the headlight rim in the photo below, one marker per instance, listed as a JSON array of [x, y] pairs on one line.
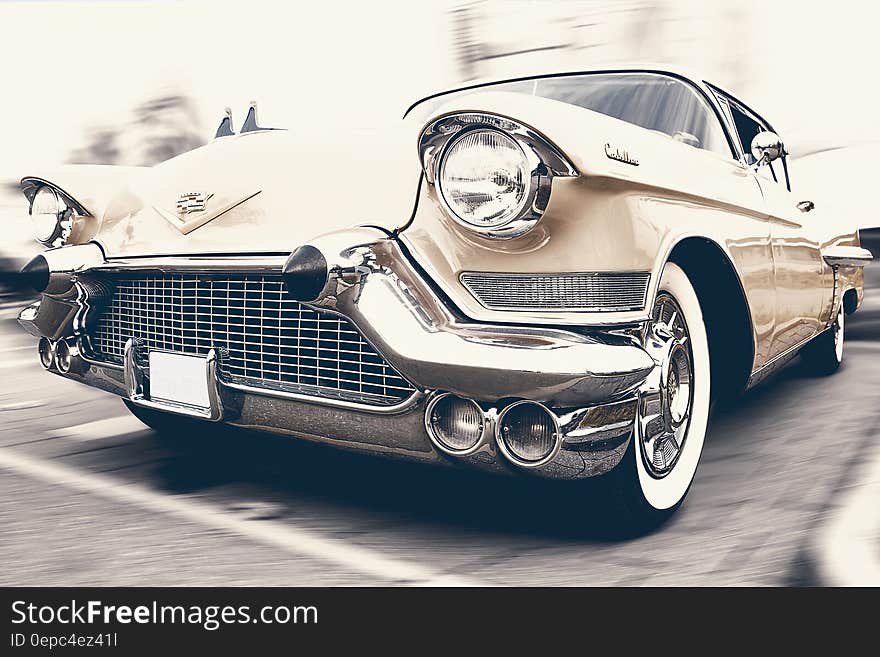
[[532, 168], [530, 211], [63, 216], [546, 162]]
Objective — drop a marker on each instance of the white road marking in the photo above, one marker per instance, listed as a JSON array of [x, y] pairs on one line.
[[848, 551], [21, 362], [17, 406], [107, 428], [10, 312], [276, 533]]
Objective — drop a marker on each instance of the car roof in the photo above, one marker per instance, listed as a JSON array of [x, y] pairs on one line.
[[629, 67]]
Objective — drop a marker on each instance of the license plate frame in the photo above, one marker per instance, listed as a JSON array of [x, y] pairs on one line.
[[179, 379]]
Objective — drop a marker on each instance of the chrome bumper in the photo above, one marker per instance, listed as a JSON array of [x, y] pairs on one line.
[[594, 438], [589, 385]]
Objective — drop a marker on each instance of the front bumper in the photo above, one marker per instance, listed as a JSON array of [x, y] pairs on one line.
[[589, 384]]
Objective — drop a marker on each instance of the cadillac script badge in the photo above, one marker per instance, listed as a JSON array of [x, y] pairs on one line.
[[621, 155]]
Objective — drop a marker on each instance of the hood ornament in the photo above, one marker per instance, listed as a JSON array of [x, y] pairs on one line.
[[250, 121], [225, 129]]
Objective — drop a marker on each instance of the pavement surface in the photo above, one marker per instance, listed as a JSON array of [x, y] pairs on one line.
[[89, 496]]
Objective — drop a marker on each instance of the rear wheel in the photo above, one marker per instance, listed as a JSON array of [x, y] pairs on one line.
[[659, 466], [824, 354]]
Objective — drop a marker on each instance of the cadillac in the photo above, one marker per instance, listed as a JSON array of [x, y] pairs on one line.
[[554, 275]]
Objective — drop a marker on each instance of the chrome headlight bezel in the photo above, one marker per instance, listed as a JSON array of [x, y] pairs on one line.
[[59, 211], [544, 162], [66, 211]]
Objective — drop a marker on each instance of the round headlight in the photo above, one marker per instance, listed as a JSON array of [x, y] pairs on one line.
[[48, 212], [485, 178]]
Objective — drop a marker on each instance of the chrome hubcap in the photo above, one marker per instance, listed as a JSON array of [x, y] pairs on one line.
[[667, 397]]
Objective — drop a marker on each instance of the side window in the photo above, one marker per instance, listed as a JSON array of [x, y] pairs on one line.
[[747, 126], [656, 102]]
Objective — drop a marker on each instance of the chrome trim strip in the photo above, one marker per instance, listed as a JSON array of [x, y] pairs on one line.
[[395, 409], [594, 424], [251, 264], [779, 360], [850, 256]]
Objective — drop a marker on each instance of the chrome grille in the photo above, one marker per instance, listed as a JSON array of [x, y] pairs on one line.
[[265, 337], [584, 291]]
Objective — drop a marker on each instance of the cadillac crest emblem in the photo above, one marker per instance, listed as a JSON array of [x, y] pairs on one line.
[[192, 202]]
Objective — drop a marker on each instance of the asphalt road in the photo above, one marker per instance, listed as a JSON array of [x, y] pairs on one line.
[[88, 496]]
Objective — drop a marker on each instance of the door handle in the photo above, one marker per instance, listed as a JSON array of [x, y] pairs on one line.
[[806, 206]]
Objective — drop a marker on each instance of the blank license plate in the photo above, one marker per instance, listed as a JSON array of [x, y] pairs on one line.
[[179, 379]]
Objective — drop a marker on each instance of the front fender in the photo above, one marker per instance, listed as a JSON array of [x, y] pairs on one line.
[[91, 186]]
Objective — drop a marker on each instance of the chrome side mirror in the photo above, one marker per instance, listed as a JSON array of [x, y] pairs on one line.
[[766, 147]]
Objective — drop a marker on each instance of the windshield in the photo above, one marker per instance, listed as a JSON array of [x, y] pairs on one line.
[[653, 101]]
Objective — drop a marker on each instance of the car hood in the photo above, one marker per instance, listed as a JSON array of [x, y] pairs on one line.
[[267, 192]]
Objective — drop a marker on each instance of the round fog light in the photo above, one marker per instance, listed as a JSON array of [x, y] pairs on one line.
[[528, 433], [47, 353], [455, 425]]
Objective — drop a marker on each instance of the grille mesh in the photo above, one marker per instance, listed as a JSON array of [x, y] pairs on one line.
[[266, 338], [586, 291]]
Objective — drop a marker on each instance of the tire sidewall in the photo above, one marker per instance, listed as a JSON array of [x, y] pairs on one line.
[[666, 493], [839, 346]]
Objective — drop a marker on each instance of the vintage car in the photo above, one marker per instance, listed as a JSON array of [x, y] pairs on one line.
[[553, 275]]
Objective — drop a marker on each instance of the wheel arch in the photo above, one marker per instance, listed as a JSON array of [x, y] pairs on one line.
[[726, 313]]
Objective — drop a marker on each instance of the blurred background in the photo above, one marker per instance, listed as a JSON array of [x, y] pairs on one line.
[[136, 82], [132, 82]]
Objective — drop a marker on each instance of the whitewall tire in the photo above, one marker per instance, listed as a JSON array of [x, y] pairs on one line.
[[825, 353], [658, 468]]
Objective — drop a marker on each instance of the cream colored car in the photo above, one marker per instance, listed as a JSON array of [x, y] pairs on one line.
[[553, 275]]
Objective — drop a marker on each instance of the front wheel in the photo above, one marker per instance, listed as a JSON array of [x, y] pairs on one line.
[[656, 472]]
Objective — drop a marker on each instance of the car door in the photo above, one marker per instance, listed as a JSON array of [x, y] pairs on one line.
[[802, 290]]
